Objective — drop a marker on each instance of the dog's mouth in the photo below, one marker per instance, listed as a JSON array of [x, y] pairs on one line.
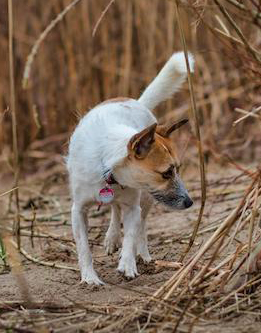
[[173, 201]]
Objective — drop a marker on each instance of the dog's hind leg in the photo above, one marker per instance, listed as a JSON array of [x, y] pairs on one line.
[[113, 235], [80, 233], [142, 243]]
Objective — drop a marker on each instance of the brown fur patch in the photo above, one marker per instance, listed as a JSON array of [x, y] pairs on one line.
[[160, 157], [115, 100]]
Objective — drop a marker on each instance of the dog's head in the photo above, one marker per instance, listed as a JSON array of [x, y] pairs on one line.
[[152, 164]]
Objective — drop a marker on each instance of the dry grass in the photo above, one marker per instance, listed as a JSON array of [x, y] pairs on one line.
[[71, 56], [73, 70], [217, 282]]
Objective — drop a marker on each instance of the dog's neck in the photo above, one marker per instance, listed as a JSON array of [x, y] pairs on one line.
[[107, 175], [114, 148]]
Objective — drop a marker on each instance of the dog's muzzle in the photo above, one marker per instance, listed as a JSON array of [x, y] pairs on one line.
[[175, 196]]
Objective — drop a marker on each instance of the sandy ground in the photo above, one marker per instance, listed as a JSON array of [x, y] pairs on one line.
[[168, 232]]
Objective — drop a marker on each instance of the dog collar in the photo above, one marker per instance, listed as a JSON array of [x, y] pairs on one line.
[[110, 180], [106, 194]]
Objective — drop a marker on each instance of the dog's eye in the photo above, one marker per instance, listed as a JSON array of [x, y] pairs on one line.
[[168, 174]]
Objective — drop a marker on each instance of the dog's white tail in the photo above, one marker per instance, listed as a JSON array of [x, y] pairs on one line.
[[168, 81]]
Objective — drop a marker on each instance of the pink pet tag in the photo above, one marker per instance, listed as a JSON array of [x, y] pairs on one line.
[[106, 195]]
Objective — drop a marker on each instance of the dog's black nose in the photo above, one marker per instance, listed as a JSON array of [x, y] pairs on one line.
[[188, 202]]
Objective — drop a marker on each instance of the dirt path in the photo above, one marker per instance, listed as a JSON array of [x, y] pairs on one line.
[[76, 303]]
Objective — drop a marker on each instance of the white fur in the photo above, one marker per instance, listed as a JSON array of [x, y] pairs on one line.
[[98, 144], [168, 81]]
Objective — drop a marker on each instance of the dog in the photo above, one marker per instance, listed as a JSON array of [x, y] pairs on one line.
[[119, 155]]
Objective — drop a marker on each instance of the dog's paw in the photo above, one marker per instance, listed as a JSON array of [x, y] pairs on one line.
[[128, 267], [143, 252], [90, 277], [112, 242], [145, 256]]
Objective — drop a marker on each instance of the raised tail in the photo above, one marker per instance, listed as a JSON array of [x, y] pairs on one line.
[[168, 81]]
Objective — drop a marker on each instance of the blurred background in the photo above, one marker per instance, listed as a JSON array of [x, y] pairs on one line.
[[73, 70]]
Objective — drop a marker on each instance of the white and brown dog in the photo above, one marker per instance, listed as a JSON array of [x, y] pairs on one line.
[[119, 155]]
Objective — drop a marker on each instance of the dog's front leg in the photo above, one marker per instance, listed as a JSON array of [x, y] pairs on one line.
[[80, 233], [142, 243], [131, 225]]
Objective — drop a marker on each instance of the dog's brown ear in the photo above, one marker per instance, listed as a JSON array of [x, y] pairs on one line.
[[166, 129], [141, 142]]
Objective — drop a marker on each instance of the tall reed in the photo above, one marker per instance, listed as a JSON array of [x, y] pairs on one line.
[[73, 70]]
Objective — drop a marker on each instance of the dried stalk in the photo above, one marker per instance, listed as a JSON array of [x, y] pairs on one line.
[[17, 268], [194, 115], [251, 50], [251, 282], [14, 123], [253, 217], [9, 191], [45, 263], [178, 277], [41, 38], [101, 17], [247, 114], [242, 7]]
